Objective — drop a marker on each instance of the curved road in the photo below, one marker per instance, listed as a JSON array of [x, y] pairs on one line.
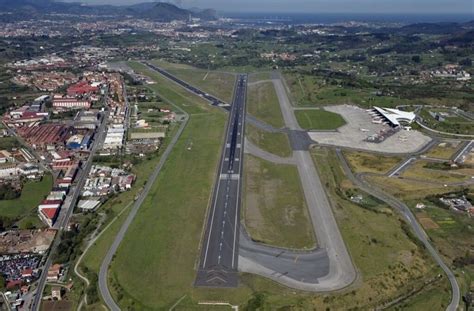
[[411, 219], [103, 286]]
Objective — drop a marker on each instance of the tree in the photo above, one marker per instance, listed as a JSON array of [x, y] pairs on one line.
[[416, 59]]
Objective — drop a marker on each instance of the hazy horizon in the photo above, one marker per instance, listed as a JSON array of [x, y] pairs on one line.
[[322, 6]]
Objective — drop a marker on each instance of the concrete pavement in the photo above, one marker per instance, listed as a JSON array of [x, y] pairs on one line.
[[328, 268]]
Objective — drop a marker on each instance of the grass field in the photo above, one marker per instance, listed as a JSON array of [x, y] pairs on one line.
[[31, 195], [274, 208], [162, 253], [276, 143], [262, 103], [178, 96], [172, 92], [455, 124], [443, 150], [318, 119], [407, 189], [219, 84], [313, 91], [259, 76], [7, 143], [418, 171], [389, 261], [174, 248], [362, 162]]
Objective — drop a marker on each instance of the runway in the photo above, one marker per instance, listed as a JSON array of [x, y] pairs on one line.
[[212, 99], [219, 255]]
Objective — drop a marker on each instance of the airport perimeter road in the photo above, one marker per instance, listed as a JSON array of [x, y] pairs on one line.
[[104, 267], [68, 208], [212, 99], [219, 254], [411, 220], [328, 268]]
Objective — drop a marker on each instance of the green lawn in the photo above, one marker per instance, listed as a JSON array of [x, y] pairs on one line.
[[172, 92], [276, 143], [219, 84], [7, 143], [313, 91], [31, 195], [274, 208], [318, 119], [163, 255], [455, 124], [161, 248], [262, 103]]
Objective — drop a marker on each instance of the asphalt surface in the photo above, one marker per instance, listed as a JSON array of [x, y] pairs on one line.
[[212, 99], [219, 254], [411, 220], [463, 152], [67, 210], [327, 268]]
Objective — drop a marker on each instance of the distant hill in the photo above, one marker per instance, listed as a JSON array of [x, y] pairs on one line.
[[157, 11], [431, 28]]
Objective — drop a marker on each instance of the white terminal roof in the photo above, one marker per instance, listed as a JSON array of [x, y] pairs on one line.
[[394, 116]]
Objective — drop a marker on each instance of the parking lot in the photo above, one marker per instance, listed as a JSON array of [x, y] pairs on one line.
[[359, 127]]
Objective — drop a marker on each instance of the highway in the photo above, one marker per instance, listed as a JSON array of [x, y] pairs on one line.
[[411, 220], [219, 254], [68, 208]]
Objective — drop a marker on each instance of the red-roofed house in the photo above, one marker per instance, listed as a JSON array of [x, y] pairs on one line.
[[27, 273], [81, 88], [48, 215]]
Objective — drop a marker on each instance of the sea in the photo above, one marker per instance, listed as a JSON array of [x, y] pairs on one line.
[[332, 18]]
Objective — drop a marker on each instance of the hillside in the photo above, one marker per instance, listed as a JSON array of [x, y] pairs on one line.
[[157, 11]]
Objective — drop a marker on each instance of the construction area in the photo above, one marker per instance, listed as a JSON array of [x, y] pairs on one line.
[[365, 132]]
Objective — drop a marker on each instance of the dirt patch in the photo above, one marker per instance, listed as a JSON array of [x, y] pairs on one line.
[[426, 221]]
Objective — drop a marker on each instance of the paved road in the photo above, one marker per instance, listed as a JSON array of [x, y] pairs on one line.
[[103, 286], [466, 148], [331, 267], [411, 219], [219, 255], [68, 208], [397, 170]]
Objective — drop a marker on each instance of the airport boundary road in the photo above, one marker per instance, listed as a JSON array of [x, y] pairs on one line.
[[411, 220], [103, 272]]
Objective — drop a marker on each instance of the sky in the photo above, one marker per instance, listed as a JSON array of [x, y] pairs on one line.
[[320, 6]]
